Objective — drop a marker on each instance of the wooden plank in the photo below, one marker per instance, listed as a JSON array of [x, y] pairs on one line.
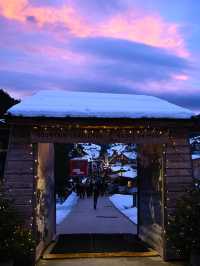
[[22, 192], [25, 210], [178, 149], [178, 172], [19, 167], [174, 157], [174, 195], [20, 146], [24, 201], [76, 255], [179, 165], [20, 155], [24, 178], [178, 141], [178, 180], [101, 139], [19, 184], [176, 187]]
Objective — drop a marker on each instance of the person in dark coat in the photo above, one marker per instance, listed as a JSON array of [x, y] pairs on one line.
[[95, 194], [82, 190], [78, 189]]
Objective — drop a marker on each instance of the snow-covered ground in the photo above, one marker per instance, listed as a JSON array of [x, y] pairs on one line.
[[124, 204], [62, 210], [60, 103]]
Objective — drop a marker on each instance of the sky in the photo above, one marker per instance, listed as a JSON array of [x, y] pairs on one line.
[[147, 47]]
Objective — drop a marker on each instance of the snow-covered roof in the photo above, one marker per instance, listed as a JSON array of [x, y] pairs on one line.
[[132, 155], [92, 151], [195, 140], [116, 147], [125, 170], [59, 103]]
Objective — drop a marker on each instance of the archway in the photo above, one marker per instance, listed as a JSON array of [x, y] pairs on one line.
[[29, 138]]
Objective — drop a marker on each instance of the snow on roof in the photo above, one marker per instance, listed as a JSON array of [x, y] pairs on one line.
[[124, 170], [116, 147], [92, 151], [59, 103], [132, 155], [195, 140]]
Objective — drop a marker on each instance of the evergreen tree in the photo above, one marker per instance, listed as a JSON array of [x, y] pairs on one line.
[[6, 101], [184, 225], [77, 151]]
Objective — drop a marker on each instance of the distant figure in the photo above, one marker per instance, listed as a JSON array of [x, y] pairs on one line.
[[78, 189], [102, 188], [95, 194], [82, 191], [89, 189]]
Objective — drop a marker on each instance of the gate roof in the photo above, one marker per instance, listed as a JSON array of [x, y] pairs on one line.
[[58, 103]]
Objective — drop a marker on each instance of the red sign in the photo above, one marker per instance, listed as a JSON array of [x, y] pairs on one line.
[[78, 167]]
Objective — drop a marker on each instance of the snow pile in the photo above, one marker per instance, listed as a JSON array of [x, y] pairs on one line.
[[59, 103], [124, 204], [63, 210], [195, 156]]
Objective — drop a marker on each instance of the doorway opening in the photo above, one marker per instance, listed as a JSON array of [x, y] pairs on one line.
[[129, 178]]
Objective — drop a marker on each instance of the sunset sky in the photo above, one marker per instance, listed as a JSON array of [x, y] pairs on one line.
[[121, 46]]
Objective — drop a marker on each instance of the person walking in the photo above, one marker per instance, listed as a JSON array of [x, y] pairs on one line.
[[95, 194]]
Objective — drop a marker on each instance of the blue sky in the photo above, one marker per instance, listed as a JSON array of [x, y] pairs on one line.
[[120, 46]]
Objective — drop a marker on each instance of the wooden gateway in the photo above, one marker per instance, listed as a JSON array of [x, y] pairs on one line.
[[160, 130]]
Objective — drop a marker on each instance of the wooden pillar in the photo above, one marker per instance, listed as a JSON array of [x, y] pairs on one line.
[[177, 179], [45, 197], [19, 173], [150, 199]]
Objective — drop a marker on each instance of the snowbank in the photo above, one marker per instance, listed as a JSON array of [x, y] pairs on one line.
[[62, 210], [195, 156], [59, 103], [123, 203]]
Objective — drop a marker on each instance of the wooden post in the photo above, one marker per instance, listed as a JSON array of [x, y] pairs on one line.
[[150, 204], [45, 197]]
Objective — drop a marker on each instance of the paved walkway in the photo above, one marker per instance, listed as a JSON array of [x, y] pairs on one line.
[[105, 219]]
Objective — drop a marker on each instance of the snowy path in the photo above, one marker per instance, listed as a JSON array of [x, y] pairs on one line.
[[106, 219]]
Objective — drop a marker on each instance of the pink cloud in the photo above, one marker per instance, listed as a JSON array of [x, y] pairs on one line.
[[135, 25], [181, 77], [147, 29]]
